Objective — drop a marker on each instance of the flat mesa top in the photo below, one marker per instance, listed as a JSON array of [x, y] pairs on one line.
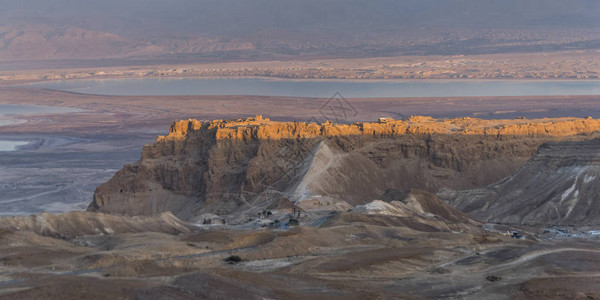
[[263, 128]]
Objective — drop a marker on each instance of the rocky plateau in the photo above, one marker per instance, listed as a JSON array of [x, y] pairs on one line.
[[257, 209], [243, 166]]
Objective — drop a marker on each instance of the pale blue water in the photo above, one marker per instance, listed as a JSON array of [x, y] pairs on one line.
[[324, 88], [11, 145]]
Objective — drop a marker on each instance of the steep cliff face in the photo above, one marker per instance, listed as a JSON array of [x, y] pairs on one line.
[[223, 166], [558, 185]]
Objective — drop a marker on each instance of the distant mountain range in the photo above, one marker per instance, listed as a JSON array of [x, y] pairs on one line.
[[83, 29]]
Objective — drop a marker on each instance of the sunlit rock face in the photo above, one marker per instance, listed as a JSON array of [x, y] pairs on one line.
[[222, 166]]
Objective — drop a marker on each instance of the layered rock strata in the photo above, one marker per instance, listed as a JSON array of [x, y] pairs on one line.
[[224, 166], [557, 186]]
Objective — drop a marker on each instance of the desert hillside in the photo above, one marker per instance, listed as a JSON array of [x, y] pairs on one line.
[[296, 210], [558, 185], [237, 166], [413, 149]]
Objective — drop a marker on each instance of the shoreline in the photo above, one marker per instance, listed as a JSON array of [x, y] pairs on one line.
[[274, 78], [17, 83], [560, 65], [192, 91]]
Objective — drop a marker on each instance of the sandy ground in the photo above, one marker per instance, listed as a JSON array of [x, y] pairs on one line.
[[356, 260]]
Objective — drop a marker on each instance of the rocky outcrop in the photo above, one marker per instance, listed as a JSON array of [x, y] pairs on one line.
[[224, 166], [557, 186], [426, 203], [415, 209], [76, 223]]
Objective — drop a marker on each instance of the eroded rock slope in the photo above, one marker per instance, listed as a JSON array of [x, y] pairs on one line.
[[557, 186], [224, 166]]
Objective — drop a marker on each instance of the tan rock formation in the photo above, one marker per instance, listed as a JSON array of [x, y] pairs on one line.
[[78, 223], [222, 166], [557, 186]]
